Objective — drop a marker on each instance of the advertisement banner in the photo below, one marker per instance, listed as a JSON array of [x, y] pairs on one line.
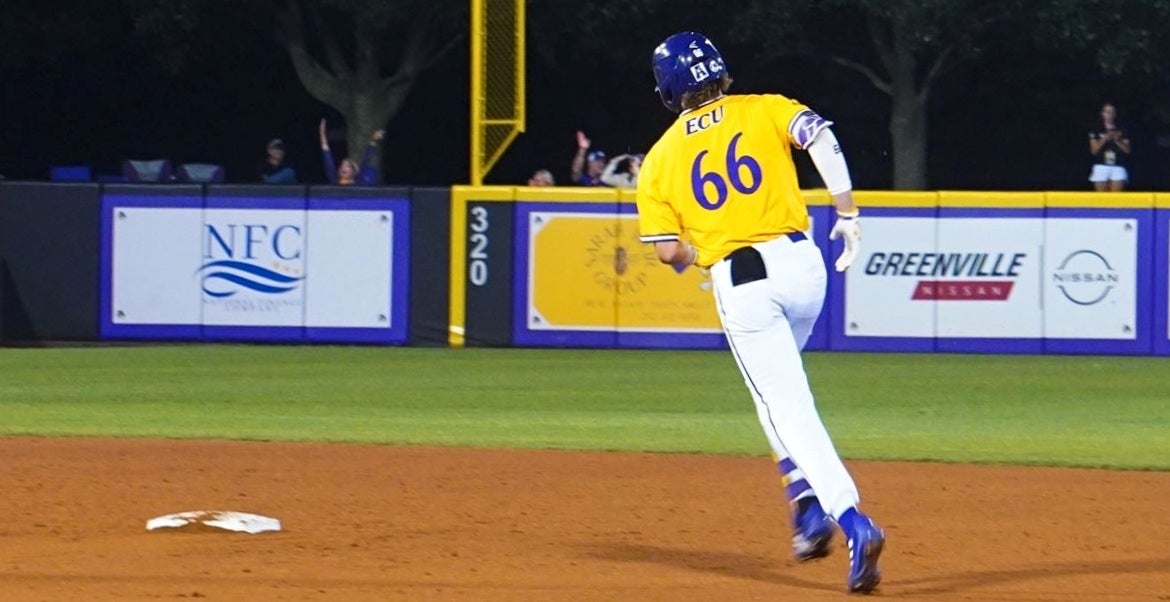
[[589, 271], [1091, 276], [926, 277], [1161, 278], [889, 290], [986, 280], [350, 264], [336, 272], [159, 242]]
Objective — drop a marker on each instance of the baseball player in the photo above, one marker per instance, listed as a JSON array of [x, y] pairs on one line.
[[723, 175]]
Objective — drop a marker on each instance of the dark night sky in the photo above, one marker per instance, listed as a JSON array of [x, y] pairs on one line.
[[1003, 122]]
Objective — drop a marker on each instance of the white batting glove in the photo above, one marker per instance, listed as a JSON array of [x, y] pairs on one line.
[[848, 227]]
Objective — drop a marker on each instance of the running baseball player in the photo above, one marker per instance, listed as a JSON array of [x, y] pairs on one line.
[[723, 175]]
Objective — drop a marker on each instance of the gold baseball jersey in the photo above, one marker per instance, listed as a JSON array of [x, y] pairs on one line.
[[723, 175]]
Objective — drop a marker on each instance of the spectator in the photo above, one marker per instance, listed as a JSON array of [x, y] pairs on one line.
[[587, 175], [542, 177], [349, 172], [273, 170], [625, 178], [1109, 144]]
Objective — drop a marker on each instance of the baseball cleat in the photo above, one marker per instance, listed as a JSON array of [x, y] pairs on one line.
[[813, 534], [865, 546]]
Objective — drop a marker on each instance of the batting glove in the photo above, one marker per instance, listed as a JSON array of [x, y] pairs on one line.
[[848, 228]]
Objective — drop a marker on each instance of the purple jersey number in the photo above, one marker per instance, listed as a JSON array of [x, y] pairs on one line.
[[735, 164]]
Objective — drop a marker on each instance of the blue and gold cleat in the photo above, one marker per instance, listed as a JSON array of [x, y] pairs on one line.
[[812, 536], [865, 546]]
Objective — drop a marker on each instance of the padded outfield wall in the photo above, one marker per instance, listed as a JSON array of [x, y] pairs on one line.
[[985, 272], [223, 263], [991, 272]]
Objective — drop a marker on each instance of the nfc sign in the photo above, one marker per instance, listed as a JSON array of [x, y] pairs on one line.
[[244, 238], [241, 270]]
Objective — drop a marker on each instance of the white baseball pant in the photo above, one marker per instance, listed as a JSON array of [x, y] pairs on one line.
[[767, 323]]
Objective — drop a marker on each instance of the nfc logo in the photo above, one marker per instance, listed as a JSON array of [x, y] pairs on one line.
[[285, 241], [237, 269]]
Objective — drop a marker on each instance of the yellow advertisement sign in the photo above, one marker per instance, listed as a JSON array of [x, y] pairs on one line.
[[589, 271]]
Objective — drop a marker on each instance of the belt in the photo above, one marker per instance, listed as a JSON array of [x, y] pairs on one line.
[[793, 236], [747, 265]]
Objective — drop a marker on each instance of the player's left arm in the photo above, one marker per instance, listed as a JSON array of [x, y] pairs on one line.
[[812, 133]]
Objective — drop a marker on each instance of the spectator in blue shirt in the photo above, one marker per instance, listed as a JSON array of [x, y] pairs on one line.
[[273, 170], [587, 166], [350, 172]]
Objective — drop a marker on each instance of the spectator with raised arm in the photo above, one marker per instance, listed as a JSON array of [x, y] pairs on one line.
[[587, 165], [622, 171], [349, 172]]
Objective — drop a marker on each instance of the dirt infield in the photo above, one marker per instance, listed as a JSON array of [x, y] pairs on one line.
[[392, 523]]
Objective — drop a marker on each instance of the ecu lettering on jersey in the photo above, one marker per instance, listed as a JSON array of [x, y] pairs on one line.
[[704, 120], [805, 128]]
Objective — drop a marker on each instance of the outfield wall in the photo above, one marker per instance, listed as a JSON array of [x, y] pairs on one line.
[[223, 263], [996, 272], [987, 272]]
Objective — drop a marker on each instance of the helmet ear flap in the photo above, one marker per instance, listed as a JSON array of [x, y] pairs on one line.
[[668, 95]]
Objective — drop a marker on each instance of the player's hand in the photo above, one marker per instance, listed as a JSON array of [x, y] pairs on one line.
[[582, 141], [849, 229]]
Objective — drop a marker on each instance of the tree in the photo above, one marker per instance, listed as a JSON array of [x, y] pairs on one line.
[[902, 47], [44, 32], [1124, 47], [359, 57], [1123, 36]]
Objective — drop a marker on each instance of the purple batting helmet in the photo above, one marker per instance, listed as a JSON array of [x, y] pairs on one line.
[[682, 63]]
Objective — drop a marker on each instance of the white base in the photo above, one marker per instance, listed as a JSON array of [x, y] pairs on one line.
[[229, 520]]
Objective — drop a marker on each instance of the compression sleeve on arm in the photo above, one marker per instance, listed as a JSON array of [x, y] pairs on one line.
[[826, 154]]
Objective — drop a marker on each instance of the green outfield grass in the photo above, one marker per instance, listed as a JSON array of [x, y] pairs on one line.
[[1082, 411]]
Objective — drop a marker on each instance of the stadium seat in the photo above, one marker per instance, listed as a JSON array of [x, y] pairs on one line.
[[200, 173], [157, 170]]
